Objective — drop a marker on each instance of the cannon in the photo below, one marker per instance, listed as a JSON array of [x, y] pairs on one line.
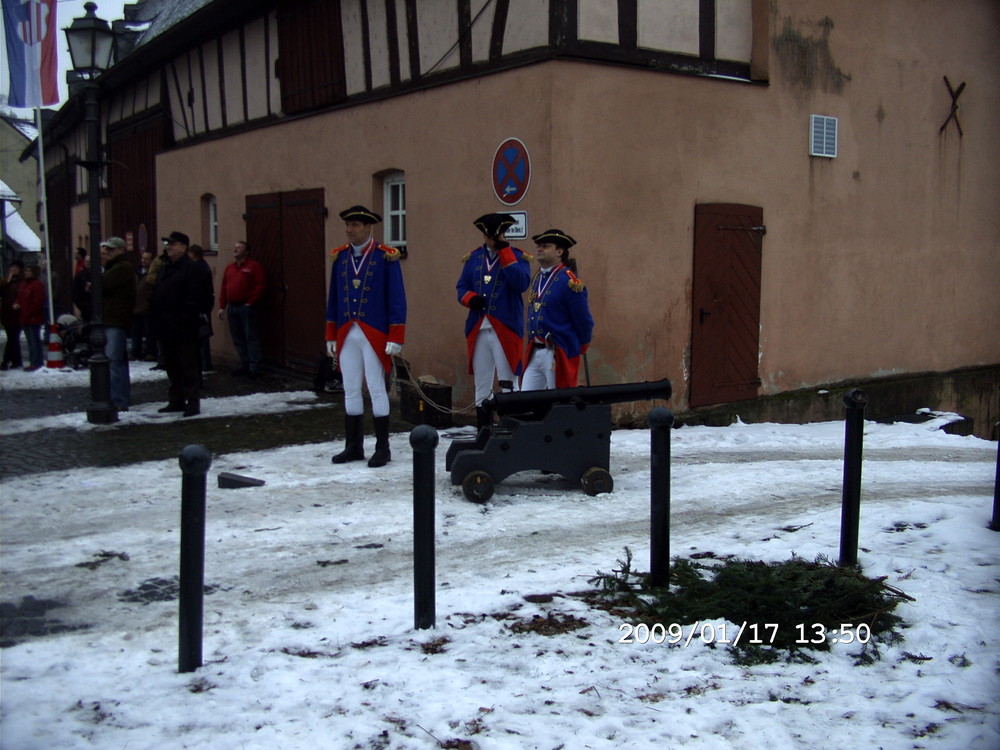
[[566, 431]]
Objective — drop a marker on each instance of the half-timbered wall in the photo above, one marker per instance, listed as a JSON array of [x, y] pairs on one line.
[[306, 55]]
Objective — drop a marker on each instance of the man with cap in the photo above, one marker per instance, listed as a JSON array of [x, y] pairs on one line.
[[559, 321], [365, 326], [117, 307], [493, 280], [183, 293]]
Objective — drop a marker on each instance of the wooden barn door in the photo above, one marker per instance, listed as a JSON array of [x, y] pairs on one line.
[[725, 321], [286, 236]]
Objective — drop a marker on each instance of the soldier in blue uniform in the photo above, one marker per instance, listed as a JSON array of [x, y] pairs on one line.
[[366, 325], [492, 285], [559, 321]]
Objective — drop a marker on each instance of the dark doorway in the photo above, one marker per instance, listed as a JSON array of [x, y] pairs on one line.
[[286, 233], [725, 322]]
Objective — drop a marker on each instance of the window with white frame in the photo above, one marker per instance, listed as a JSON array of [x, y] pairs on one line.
[[209, 223], [213, 224], [394, 202]]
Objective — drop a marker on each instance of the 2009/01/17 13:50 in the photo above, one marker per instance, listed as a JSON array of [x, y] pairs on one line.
[[749, 633]]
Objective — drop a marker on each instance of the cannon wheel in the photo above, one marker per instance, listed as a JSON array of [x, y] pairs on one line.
[[596, 481], [478, 486]]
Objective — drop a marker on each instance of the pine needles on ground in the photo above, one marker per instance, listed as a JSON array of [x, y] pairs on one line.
[[794, 604]]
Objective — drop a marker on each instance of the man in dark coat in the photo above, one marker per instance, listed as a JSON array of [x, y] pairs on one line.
[[182, 294], [117, 304]]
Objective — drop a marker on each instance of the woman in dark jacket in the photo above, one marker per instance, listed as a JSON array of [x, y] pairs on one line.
[[10, 317]]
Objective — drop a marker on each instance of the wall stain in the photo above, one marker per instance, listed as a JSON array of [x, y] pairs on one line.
[[807, 61]]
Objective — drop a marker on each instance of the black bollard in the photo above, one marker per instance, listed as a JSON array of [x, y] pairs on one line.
[[661, 420], [995, 524], [423, 440], [195, 461], [850, 510]]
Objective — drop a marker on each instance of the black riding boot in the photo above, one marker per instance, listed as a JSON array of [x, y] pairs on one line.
[[354, 440], [382, 454]]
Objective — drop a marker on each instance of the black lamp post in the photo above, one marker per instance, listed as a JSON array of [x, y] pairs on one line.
[[91, 42]]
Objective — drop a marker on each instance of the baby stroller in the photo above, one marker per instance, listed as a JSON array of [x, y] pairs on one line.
[[75, 337]]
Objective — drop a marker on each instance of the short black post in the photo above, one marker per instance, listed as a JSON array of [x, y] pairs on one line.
[[850, 510], [195, 461], [661, 420], [995, 523], [423, 440]]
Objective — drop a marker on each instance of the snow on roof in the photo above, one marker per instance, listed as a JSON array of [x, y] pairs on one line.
[[25, 127], [17, 230]]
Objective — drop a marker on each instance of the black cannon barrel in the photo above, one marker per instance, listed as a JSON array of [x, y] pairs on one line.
[[538, 402]]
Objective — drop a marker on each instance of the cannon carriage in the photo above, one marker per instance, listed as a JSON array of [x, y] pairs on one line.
[[566, 431]]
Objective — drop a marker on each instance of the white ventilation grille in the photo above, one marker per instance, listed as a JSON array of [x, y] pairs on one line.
[[822, 136]]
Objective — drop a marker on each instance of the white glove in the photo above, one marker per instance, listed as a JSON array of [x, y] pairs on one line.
[[331, 349], [392, 348]]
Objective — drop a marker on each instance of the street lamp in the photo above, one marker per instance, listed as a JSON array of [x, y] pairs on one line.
[[91, 42]]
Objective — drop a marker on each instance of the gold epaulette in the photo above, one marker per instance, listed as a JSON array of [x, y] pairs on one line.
[[574, 283], [527, 257], [465, 258], [391, 253], [333, 253]]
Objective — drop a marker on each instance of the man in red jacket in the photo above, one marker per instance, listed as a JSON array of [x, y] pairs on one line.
[[31, 305], [243, 284]]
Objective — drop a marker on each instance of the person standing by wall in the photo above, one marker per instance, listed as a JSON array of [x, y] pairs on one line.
[[493, 280], [31, 306], [183, 292], [205, 332], [559, 322], [117, 306], [10, 316], [143, 340], [366, 324], [243, 285]]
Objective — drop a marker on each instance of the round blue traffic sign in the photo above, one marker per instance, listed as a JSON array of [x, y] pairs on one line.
[[511, 171]]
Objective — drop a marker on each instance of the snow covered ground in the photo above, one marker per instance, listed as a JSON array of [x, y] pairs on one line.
[[309, 638]]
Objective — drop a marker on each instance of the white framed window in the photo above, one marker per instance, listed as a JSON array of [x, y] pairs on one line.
[[213, 224], [822, 136], [394, 203], [209, 223]]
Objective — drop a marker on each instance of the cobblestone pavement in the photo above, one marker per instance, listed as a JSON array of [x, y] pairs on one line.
[[121, 444]]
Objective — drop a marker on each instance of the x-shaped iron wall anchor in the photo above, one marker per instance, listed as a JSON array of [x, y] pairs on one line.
[[953, 115]]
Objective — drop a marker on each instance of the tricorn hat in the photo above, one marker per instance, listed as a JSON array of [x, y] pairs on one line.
[[493, 225], [360, 213], [557, 237], [177, 237]]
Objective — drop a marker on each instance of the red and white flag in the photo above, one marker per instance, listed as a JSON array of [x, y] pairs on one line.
[[32, 63]]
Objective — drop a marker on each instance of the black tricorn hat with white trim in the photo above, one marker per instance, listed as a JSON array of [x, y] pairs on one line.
[[556, 236], [493, 225], [360, 213]]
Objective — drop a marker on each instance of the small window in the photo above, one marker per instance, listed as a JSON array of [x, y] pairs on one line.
[[394, 197], [822, 136], [210, 222]]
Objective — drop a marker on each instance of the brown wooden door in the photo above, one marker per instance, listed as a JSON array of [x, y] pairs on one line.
[[286, 236], [725, 321]]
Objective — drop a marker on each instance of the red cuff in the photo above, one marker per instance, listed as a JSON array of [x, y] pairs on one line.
[[331, 331], [397, 332], [507, 256], [467, 297]]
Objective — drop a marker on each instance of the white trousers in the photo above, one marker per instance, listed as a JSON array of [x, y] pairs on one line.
[[358, 361], [488, 357], [540, 374]]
